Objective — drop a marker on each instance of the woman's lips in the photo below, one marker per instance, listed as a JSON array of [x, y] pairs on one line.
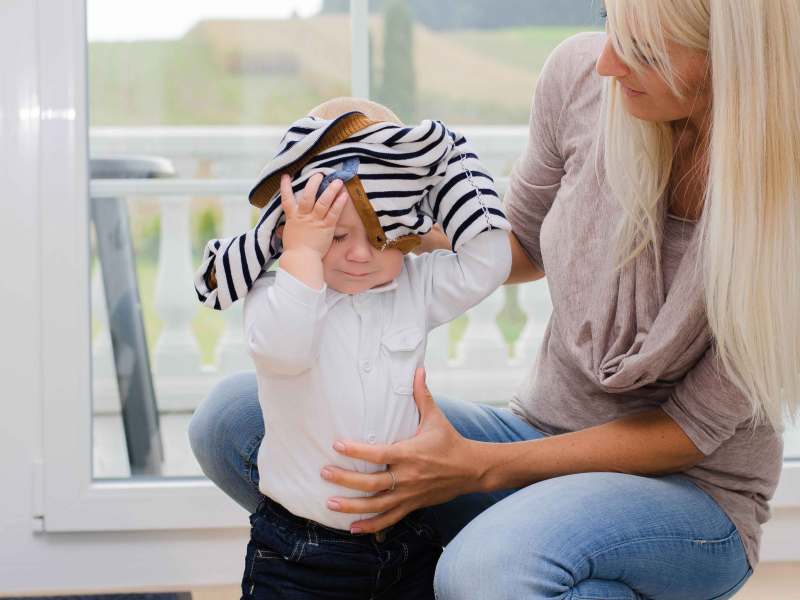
[[630, 91]]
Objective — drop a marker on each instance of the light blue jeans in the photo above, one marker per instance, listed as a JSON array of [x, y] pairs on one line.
[[587, 536]]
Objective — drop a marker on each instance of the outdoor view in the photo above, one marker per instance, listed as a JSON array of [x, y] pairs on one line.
[[188, 101]]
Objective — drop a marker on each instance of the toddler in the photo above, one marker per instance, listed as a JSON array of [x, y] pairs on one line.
[[338, 329]]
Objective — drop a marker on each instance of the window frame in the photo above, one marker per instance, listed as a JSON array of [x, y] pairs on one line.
[[66, 498]]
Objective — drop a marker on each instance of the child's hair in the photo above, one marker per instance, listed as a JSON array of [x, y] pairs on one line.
[[330, 109]]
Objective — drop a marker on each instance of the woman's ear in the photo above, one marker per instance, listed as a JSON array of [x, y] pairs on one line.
[[279, 232]]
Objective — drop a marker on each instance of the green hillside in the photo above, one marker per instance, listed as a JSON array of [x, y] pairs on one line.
[[258, 72]]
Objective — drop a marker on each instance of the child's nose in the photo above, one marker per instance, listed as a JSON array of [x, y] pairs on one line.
[[360, 251]]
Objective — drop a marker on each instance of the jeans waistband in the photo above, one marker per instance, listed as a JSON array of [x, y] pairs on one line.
[[268, 507]]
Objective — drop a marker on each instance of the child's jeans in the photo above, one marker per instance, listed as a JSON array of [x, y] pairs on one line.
[[291, 557]]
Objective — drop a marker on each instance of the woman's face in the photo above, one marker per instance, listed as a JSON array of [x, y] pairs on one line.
[[648, 97]]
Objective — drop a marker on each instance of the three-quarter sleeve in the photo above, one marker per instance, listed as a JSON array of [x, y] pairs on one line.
[[707, 405], [536, 175]]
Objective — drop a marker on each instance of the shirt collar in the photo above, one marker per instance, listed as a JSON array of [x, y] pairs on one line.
[[334, 295]]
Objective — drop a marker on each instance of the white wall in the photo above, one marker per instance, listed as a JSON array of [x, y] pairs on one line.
[[33, 562]]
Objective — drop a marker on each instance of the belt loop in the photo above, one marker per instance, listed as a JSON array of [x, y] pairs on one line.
[[311, 533]]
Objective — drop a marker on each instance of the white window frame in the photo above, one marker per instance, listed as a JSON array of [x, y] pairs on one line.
[[66, 496]]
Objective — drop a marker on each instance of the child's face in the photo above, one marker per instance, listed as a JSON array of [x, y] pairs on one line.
[[353, 265]]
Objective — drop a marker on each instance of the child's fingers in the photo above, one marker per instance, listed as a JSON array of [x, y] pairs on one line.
[[287, 196], [309, 195], [327, 198], [336, 209]]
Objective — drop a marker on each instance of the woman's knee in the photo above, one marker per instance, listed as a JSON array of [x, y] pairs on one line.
[[493, 568], [231, 405]]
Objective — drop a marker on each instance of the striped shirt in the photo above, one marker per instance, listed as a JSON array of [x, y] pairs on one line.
[[412, 176]]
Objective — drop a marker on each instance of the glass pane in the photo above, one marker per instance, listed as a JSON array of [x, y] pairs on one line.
[[468, 62], [187, 102]]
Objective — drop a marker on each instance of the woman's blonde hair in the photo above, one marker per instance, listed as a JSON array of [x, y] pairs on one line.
[[750, 252]]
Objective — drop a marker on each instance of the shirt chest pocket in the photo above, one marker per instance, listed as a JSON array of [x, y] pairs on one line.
[[401, 348]]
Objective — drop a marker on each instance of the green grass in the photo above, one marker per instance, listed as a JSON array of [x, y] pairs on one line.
[[526, 47], [195, 80]]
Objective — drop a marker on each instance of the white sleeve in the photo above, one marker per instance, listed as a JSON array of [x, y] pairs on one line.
[[454, 282], [283, 319]]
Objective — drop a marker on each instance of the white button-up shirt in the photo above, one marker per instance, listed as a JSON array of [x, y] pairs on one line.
[[333, 366]]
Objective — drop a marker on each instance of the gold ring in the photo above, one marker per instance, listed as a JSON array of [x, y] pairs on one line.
[[394, 481]]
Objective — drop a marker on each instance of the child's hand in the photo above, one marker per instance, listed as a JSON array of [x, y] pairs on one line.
[[310, 225]]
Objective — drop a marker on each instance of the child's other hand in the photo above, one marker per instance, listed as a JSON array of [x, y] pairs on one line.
[[310, 225]]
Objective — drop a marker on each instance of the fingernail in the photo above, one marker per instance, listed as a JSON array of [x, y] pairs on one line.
[[334, 504], [327, 474], [355, 530], [338, 446]]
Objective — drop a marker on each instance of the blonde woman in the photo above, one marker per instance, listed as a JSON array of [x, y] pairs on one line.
[[660, 195]]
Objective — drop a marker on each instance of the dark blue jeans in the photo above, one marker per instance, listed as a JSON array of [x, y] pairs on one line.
[[290, 557]]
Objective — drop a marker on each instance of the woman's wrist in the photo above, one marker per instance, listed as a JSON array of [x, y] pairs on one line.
[[479, 463]]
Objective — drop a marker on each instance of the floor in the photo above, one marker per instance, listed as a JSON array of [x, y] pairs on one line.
[[771, 581]]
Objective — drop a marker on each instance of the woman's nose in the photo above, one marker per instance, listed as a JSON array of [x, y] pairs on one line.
[[609, 64]]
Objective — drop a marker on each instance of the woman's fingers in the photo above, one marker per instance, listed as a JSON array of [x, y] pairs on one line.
[[365, 482], [381, 521], [422, 395], [380, 454], [370, 504]]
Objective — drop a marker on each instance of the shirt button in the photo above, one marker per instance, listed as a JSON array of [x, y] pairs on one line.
[[366, 366], [371, 438]]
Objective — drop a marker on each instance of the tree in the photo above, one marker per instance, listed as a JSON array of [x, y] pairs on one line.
[[398, 85], [481, 14]]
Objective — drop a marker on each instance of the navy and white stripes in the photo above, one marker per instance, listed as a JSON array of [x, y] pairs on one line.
[[412, 176]]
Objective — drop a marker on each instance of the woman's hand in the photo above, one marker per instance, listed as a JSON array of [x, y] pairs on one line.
[[435, 239], [434, 466]]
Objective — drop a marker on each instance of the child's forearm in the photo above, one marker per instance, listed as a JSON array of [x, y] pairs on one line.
[[305, 265]]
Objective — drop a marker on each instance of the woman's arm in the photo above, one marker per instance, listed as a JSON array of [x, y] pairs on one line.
[[647, 443], [523, 269], [438, 464]]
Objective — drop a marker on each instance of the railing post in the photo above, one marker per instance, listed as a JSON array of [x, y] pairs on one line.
[[231, 353], [483, 346], [534, 301], [176, 352]]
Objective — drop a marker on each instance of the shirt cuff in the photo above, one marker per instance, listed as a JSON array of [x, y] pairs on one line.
[[297, 290]]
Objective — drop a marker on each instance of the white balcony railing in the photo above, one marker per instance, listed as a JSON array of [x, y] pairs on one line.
[[220, 164]]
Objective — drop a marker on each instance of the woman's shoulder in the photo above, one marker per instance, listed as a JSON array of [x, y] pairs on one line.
[[571, 64], [580, 49], [569, 90]]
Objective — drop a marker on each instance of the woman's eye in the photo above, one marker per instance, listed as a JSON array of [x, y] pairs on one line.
[[643, 58], [339, 238]]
